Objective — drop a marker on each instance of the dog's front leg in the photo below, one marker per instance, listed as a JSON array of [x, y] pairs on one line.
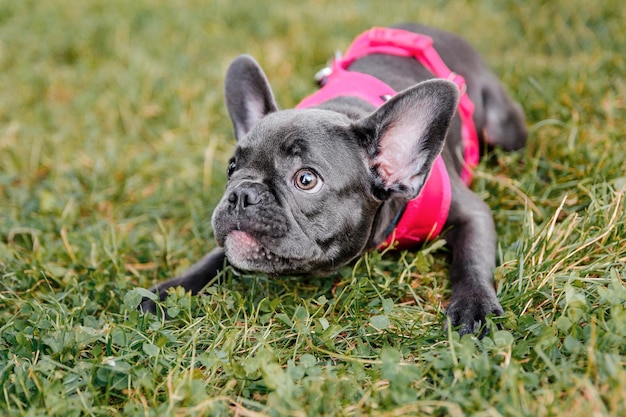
[[473, 240], [194, 279]]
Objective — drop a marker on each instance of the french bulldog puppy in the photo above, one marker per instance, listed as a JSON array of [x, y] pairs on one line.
[[311, 189]]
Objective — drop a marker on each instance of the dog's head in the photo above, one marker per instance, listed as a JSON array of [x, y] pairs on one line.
[[308, 189]]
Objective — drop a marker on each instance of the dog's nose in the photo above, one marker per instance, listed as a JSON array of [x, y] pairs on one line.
[[241, 198]]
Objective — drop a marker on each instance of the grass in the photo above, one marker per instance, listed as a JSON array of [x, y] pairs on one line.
[[113, 148]]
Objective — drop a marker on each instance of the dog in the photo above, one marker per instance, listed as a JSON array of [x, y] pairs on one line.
[[380, 156]]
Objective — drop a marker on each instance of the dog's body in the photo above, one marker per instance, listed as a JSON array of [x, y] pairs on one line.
[[311, 189]]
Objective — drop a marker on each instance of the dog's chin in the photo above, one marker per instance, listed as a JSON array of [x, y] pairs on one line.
[[245, 252]]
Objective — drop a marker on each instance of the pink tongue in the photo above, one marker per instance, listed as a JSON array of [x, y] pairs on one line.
[[242, 245], [242, 240]]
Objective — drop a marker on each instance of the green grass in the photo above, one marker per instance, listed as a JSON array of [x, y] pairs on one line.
[[113, 150]]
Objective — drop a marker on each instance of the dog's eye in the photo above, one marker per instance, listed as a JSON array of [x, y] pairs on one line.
[[307, 180], [232, 166]]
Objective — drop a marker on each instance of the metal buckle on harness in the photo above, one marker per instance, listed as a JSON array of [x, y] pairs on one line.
[[321, 76]]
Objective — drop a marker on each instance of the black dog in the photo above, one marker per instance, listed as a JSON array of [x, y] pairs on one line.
[[357, 167]]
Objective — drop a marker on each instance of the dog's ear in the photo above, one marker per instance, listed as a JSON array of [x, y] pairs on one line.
[[406, 134], [248, 94]]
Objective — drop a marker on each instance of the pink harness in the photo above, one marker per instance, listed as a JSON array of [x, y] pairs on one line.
[[425, 215]]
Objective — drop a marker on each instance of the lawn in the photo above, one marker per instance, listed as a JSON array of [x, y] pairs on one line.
[[114, 142]]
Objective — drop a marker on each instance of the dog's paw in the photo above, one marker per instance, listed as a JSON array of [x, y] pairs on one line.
[[467, 312], [147, 305], [149, 301]]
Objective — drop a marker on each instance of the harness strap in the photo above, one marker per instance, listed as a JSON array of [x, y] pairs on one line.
[[398, 42]]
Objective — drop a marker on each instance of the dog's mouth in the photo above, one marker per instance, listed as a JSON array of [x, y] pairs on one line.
[[246, 252], [243, 246]]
